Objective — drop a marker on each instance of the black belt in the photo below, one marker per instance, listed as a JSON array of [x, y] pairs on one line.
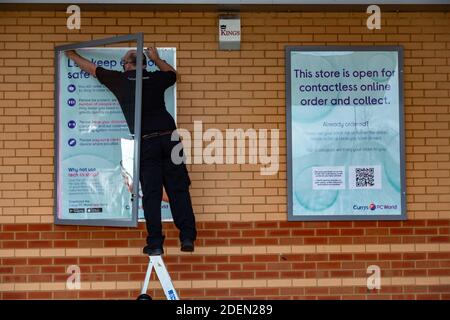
[[156, 134]]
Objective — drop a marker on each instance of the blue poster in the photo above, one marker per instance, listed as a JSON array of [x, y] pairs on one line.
[[345, 133], [94, 145]]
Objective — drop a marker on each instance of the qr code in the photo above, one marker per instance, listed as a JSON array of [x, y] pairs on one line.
[[364, 177]]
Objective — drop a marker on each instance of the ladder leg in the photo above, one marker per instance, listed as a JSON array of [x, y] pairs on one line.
[[164, 278], [147, 276]]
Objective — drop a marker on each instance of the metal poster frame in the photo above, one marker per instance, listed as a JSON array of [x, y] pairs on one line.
[[139, 38]]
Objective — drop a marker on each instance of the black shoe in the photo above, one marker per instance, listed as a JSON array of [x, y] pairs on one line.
[[187, 245], [153, 251]]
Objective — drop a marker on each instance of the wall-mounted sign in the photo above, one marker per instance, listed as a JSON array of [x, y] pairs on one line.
[[345, 133], [229, 33]]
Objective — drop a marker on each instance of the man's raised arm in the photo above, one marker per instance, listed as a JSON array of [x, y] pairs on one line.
[[161, 64], [83, 63]]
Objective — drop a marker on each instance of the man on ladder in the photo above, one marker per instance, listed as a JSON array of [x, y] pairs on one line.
[[156, 166], [157, 170]]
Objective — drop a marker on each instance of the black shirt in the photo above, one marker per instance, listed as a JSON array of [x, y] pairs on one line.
[[155, 116]]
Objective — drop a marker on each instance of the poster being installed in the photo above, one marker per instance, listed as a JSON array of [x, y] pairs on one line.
[[94, 145], [345, 133]]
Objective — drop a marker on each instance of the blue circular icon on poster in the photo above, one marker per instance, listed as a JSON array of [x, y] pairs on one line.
[[71, 88], [71, 102], [71, 124], [72, 142]]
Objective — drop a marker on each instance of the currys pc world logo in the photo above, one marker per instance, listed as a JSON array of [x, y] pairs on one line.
[[372, 207]]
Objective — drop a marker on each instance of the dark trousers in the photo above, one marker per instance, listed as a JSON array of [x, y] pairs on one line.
[[156, 170]]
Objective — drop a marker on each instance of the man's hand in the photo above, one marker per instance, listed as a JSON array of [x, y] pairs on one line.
[[83, 63], [70, 53], [152, 53]]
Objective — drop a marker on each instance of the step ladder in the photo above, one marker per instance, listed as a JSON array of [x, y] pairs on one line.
[[157, 263]]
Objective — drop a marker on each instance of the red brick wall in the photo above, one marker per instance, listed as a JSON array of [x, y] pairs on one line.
[[246, 249]]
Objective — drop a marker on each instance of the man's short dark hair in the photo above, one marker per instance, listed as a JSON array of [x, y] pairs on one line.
[[133, 57]]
